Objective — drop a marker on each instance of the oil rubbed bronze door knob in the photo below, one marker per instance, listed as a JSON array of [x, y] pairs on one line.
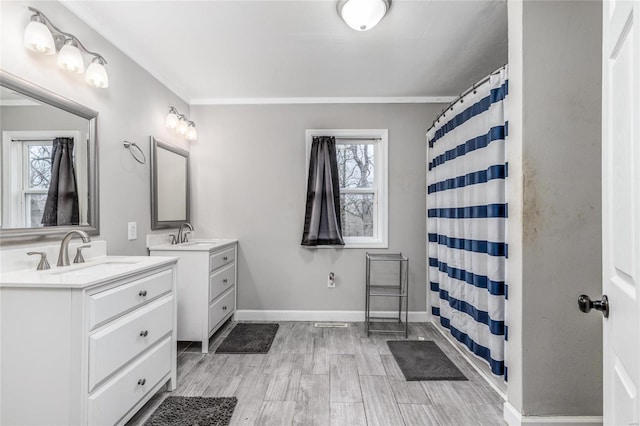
[[586, 304]]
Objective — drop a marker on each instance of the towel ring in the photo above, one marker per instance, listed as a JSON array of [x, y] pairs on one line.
[[129, 146]]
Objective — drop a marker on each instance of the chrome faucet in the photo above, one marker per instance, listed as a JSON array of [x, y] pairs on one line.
[[63, 256], [182, 236]]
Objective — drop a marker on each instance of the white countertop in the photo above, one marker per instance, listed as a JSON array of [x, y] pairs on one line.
[[204, 244], [94, 271]]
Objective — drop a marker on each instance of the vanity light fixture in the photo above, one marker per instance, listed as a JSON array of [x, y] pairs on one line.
[[181, 124], [70, 58], [43, 37], [362, 15], [192, 134]]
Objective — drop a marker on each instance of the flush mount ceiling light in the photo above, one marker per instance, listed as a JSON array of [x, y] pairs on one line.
[[181, 124], [362, 15], [43, 37]]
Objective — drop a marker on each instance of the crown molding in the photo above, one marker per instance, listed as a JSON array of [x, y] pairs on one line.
[[325, 100]]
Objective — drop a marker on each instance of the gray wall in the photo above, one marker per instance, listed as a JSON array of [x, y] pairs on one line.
[[560, 252], [250, 183], [132, 108], [41, 117]]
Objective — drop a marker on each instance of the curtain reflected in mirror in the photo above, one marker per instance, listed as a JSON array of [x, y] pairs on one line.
[[61, 207]]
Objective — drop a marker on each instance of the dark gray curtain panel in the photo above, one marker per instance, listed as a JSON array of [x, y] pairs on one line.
[[322, 225], [61, 207]]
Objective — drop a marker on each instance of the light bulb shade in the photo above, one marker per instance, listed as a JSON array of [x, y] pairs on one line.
[[96, 75], [362, 15], [192, 134], [70, 59], [182, 127], [38, 38], [172, 120]]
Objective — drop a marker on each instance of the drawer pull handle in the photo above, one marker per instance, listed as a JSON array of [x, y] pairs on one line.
[[225, 280], [142, 293], [144, 333], [225, 258], [224, 308], [141, 382]]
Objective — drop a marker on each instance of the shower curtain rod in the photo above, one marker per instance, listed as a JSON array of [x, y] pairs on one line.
[[466, 92], [33, 140]]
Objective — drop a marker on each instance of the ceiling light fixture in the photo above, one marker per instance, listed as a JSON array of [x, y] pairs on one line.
[[362, 15], [181, 124], [43, 37]]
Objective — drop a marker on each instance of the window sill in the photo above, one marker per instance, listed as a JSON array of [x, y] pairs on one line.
[[355, 245]]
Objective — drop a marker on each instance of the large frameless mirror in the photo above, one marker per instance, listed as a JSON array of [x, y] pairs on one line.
[[48, 183], [169, 185]]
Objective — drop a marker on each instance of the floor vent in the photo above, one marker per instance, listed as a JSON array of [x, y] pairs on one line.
[[331, 325]]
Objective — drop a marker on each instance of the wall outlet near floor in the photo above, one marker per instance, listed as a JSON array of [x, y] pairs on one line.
[[331, 282], [132, 230]]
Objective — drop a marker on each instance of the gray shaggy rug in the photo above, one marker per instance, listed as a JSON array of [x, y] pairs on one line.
[[249, 338], [193, 411], [423, 360]]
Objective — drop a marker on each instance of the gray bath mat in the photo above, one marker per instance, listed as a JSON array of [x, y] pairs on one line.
[[423, 360], [188, 411], [249, 338]]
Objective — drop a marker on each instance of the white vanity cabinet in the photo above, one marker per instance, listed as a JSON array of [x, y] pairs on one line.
[[87, 344], [206, 286]]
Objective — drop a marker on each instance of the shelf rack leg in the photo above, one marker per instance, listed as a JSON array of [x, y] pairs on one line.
[[367, 292], [406, 303]]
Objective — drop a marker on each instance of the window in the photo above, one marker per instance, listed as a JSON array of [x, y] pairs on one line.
[[36, 174], [26, 172], [362, 169]]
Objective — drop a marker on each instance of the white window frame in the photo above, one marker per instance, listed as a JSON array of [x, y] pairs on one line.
[[380, 140]]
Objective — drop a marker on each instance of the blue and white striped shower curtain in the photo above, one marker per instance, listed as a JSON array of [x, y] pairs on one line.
[[466, 220]]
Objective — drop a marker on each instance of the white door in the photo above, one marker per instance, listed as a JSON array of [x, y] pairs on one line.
[[621, 210]]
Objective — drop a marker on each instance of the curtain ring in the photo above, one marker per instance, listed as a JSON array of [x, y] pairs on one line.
[[135, 156]]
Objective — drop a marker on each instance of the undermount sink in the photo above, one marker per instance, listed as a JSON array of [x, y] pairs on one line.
[[99, 268], [201, 243], [197, 244]]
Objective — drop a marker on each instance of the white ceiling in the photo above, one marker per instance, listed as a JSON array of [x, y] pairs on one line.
[[252, 51]]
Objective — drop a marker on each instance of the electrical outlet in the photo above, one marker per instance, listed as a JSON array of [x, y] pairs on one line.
[[132, 230], [331, 281]]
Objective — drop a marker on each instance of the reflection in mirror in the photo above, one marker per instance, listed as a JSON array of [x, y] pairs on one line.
[[48, 182], [169, 185]]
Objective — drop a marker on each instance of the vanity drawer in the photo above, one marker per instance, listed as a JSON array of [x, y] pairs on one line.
[[221, 281], [219, 259], [223, 307], [110, 303], [109, 404], [127, 337]]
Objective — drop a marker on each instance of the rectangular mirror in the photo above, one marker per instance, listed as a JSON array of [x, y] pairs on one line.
[[48, 183], [169, 185]]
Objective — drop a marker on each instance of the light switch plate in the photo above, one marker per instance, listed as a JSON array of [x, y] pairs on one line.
[[132, 230]]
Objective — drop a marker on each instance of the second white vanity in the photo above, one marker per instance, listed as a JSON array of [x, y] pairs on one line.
[[88, 343], [206, 286]]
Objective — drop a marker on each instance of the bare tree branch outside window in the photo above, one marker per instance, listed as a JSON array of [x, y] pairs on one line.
[[38, 178], [356, 167]]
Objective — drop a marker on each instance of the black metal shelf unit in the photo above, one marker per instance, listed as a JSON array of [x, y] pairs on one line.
[[388, 289]]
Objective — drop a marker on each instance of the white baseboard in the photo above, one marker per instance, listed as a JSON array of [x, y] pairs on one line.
[[513, 418], [348, 316]]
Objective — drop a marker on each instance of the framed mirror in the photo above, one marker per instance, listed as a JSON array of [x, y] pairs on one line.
[[49, 157], [169, 185]]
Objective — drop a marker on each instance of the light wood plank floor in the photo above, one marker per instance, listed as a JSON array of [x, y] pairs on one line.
[[331, 376]]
